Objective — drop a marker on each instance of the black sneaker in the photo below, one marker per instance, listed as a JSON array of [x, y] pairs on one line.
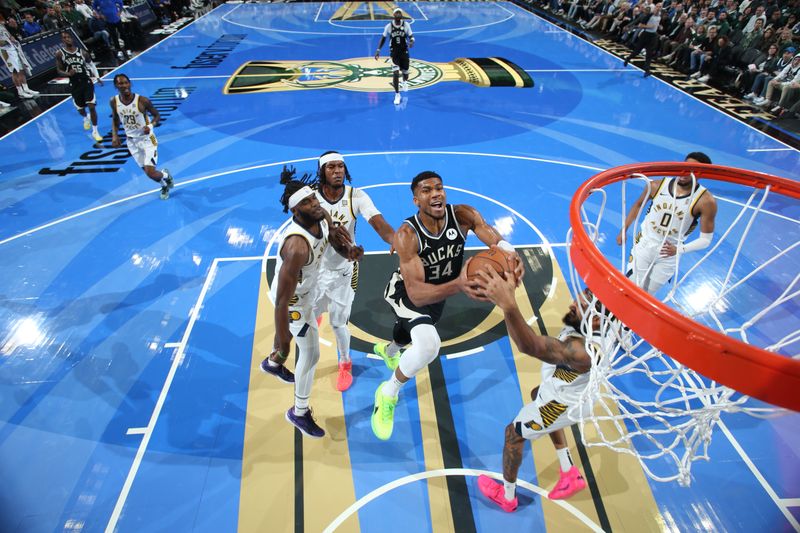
[[305, 424], [280, 371], [164, 192]]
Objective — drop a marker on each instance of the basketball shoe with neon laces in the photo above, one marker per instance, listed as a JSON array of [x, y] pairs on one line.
[[391, 360], [383, 414]]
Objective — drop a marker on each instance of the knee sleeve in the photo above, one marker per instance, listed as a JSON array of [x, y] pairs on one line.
[[308, 347], [426, 344]]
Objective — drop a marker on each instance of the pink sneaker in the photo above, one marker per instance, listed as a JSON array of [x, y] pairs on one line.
[[345, 377], [495, 492], [568, 484]]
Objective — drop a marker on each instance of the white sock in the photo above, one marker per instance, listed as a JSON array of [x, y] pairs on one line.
[[564, 459], [511, 487], [392, 349], [392, 387], [300, 405], [163, 181], [271, 363], [21, 90], [25, 86]]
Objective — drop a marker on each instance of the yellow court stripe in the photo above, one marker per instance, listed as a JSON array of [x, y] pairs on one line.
[[266, 500], [328, 480], [438, 494]]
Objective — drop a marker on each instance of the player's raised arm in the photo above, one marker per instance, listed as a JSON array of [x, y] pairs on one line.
[[635, 208], [469, 218], [570, 352]]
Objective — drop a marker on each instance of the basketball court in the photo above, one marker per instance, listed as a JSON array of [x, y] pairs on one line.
[[132, 328]]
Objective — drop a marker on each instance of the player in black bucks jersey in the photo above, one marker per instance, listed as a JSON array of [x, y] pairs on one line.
[[400, 40], [76, 63], [430, 245]]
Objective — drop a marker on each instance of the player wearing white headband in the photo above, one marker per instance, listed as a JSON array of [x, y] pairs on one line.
[[293, 290], [339, 277]]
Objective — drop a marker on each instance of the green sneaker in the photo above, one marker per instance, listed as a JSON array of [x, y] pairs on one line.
[[383, 414], [380, 350]]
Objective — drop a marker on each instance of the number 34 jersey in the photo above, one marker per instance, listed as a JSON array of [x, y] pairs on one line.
[[442, 255]]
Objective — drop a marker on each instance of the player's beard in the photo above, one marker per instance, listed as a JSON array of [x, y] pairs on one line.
[[572, 319]]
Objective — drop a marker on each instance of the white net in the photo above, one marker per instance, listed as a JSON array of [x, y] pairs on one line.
[[746, 285]]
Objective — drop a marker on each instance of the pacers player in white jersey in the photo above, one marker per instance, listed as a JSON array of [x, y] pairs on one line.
[[131, 110], [676, 206], [565, 373], [293, 290], [339, 277], [77, 65], [401, 38]]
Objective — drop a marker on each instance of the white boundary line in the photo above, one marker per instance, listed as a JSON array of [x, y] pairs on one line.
[[169, 345], [656, 78], [305, 159], [757, 473], [147, 431], [770, 149], [383, 489], [456, 355], [337, 33], [790, 502]]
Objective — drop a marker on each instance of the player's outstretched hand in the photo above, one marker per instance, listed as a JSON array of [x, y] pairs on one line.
[[115, 142], [519, 270], [377, 54], [497, 290]]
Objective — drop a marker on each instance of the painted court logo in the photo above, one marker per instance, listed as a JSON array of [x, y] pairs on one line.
[[366, 74]]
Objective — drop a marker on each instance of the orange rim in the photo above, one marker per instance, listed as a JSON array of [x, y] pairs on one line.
[[770, 377]]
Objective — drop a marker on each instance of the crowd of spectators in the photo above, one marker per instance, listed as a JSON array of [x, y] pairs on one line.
[[106, 27], [749, 48]]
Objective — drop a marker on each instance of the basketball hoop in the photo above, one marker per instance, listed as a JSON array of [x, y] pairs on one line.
[[697, 366]]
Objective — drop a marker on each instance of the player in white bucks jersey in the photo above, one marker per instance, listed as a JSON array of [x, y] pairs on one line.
[[565, 374], [293, 289], [132, 110], [401, 38], [339, 277], [430, 246], [77, 65], [676, 206]]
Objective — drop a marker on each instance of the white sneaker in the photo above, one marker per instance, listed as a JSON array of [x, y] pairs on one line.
[[4, 105], [396, 98], [704, 78], [26, 94], [760, 100], [695, 75], [404, 86], [87, 124], [749, 96]]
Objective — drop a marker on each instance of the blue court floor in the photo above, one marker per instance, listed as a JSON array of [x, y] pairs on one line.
[[131, 328]]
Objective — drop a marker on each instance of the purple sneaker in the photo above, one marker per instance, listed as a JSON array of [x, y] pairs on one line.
[[305, 424], [280, 371]]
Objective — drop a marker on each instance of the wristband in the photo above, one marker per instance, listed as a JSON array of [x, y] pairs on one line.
[[505, 246]]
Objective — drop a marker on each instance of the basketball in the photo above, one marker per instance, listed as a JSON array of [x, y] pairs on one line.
[[493, 258]]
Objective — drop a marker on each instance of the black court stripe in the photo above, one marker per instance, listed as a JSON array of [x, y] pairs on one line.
[[588, 472], [460, 505], [299, 507]]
